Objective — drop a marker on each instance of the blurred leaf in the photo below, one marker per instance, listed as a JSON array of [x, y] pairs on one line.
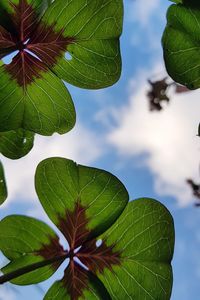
[[195, 190], [3, 188], [181, 89], [157, 94]]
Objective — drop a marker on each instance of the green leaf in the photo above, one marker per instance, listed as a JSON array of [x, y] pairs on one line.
[[39, 5], [95, 27], [181, 44], [26, 241], [144, 235], [3, 187], [32, 94], [67, 191], [176, 1], [43, 107], [16, 144], [133, 260], [94, 289]]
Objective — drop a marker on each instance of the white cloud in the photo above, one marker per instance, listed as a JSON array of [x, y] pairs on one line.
[[147, 19], [80, 145], [7, 294], [141, 11], [168, 138]]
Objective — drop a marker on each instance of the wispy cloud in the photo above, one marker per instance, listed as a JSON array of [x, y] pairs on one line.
[[148, 20], [7, 294], [168, 138], [81, 145], [142, 11]]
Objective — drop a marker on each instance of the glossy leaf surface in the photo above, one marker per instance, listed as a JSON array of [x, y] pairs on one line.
[[133, 258], [3, 187], [32, 94], [181, 43], [16, 144]]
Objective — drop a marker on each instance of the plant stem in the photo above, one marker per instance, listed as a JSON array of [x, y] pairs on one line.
[[27, 269]]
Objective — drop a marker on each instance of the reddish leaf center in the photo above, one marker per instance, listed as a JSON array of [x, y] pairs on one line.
[[75, 280], [39, 45], [98, 258], [53, 249], [74, 226], [85, 256]]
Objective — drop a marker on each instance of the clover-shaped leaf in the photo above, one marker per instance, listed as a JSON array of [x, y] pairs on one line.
[[75, 41], [117, 250], [16, 144], [3, 187], [181, 43]]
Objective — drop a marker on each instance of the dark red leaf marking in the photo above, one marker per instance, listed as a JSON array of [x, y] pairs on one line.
[[53, 249], [75, 280], [25, 68], [48, 45], [6, 39], [38, 44], [73, 226], [7, 44], [25, 19], [98, 258], [84, 262]]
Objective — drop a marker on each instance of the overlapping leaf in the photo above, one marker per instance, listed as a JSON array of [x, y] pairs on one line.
[[32, 95], [133, 260], [181, 43], [26, 241], [144, 237], [3, 187], [79, 195], [16, 144]]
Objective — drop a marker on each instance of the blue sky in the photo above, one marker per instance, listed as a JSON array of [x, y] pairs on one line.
[[151, 153]]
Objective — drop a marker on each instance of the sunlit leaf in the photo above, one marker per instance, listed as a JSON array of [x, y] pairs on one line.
[[3, 187], [129, 260], [144, 237], [181, 43], [16, 144], [79, 195], [25, 241], [77, 283], [77, 41]]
